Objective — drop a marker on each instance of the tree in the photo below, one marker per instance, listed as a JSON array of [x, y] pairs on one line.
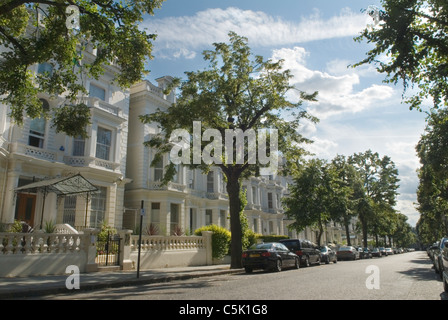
[[432, 192], [348, 184], [237, 92], [313, 196], [413, 34], [380, 184], [42, 31]]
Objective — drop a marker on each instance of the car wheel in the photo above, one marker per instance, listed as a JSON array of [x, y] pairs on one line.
[[307, 261], [297, 263], [278, 266], [440, 271], [445, 284]]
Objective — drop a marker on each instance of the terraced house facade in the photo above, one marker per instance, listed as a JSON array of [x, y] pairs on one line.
[[35, 152], [114, 160]]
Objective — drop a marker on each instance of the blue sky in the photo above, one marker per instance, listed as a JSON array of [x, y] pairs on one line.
[[357, 111]]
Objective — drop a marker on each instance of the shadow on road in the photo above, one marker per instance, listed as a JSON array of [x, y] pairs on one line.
[[422, 272]]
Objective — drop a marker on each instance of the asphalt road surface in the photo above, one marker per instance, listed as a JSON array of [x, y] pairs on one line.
[[407, 276]]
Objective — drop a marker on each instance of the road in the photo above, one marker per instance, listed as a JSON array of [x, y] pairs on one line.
[[407, 276]]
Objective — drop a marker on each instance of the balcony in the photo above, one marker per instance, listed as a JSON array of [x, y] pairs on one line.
[[90, 162], [59, 157]]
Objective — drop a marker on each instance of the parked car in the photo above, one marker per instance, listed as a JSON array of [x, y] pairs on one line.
[[437, 256], [445, 267], [269, 256], [376, 252], [389, 251], [307, 251], [432, 249], [347, 253], [365, 253], [383, 251], [328, 255]]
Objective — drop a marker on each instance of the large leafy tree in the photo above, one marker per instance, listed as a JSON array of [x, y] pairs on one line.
[[347, 186], [237, 91], [411, 46], [380, 183], [312, 197], [34, 32], [432, 193]]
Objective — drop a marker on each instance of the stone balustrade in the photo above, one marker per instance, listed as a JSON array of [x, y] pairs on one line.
[[31, 254], [168, 243], [41, 243]]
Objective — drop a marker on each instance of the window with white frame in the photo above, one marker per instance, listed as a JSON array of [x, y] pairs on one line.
[[254, 195], [158, 170], [174, 217], [97, 92], [270, 200], [155, 213], [223, 217], [36, 137], [208, 217], [69, 210], [103, 143], [98, 207], [79, 145], [210, 182]]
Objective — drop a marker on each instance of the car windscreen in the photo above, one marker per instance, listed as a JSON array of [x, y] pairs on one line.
[[291, 245], [261, 246]]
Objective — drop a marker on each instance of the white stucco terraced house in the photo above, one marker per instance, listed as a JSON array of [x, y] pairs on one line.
[[115, 161], [35, 152]]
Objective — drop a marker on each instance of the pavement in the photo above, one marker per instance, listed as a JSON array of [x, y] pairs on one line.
[[26, 287]]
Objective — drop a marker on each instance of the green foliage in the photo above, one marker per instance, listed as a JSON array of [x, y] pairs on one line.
[[312, 196], [105, 232], [378, 194], [50, 226], [414, 36], [432, 192], [236, 91], [112, 27], [220, 240]]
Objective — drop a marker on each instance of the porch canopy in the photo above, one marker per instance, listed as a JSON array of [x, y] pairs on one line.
[[65, 186], [73, 185]]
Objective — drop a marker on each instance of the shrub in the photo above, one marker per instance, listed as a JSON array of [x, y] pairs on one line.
[[105, 232], [220, 240]]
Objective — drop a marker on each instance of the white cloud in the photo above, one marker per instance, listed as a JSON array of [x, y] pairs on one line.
[[336, 92], [175, 34]]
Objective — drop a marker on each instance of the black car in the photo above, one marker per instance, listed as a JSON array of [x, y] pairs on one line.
[[327, 255], [376, 252], [307, 251], [269, 256], [365, 253]]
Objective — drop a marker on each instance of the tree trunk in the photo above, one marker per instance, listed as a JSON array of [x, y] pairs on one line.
[[364, 232], [236, 250], [347, 231], [321, 231]]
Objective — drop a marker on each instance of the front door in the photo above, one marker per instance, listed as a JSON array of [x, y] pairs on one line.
[[25, 206]]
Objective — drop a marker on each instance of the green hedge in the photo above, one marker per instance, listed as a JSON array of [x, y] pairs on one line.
[[220, 240]]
